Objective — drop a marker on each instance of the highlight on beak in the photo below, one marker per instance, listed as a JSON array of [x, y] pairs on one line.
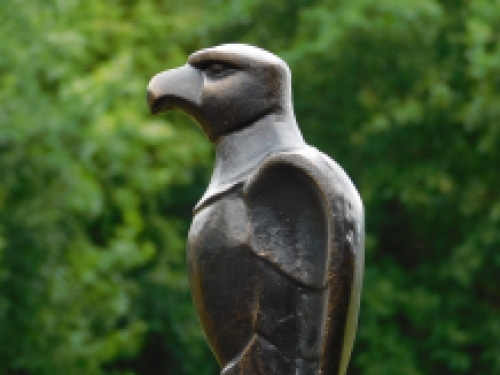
[[176, 88]]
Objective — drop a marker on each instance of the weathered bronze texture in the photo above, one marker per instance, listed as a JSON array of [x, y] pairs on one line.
[[275, 250]]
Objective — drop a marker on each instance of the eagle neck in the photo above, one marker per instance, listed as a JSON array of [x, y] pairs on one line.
[[240, 152]]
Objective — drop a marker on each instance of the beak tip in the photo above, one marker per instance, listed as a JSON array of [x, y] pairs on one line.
[[151, 98]]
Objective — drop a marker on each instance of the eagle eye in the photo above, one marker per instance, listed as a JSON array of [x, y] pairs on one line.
[[217, 69]]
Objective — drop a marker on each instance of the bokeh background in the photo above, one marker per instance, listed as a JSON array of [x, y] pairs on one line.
[[96, 194]]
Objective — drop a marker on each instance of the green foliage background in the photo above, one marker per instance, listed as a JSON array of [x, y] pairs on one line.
[[96, 194]]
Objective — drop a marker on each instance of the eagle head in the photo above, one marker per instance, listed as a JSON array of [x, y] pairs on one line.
[[224, 88]]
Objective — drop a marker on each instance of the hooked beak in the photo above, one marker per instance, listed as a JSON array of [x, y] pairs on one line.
[[179, 88]]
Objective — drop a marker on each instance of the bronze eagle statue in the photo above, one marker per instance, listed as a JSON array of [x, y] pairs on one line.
[[275, 249]]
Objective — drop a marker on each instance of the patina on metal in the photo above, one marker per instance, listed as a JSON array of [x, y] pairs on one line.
[[275, 249]]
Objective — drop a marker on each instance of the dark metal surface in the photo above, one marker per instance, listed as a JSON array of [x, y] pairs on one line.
[[275, 250]]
